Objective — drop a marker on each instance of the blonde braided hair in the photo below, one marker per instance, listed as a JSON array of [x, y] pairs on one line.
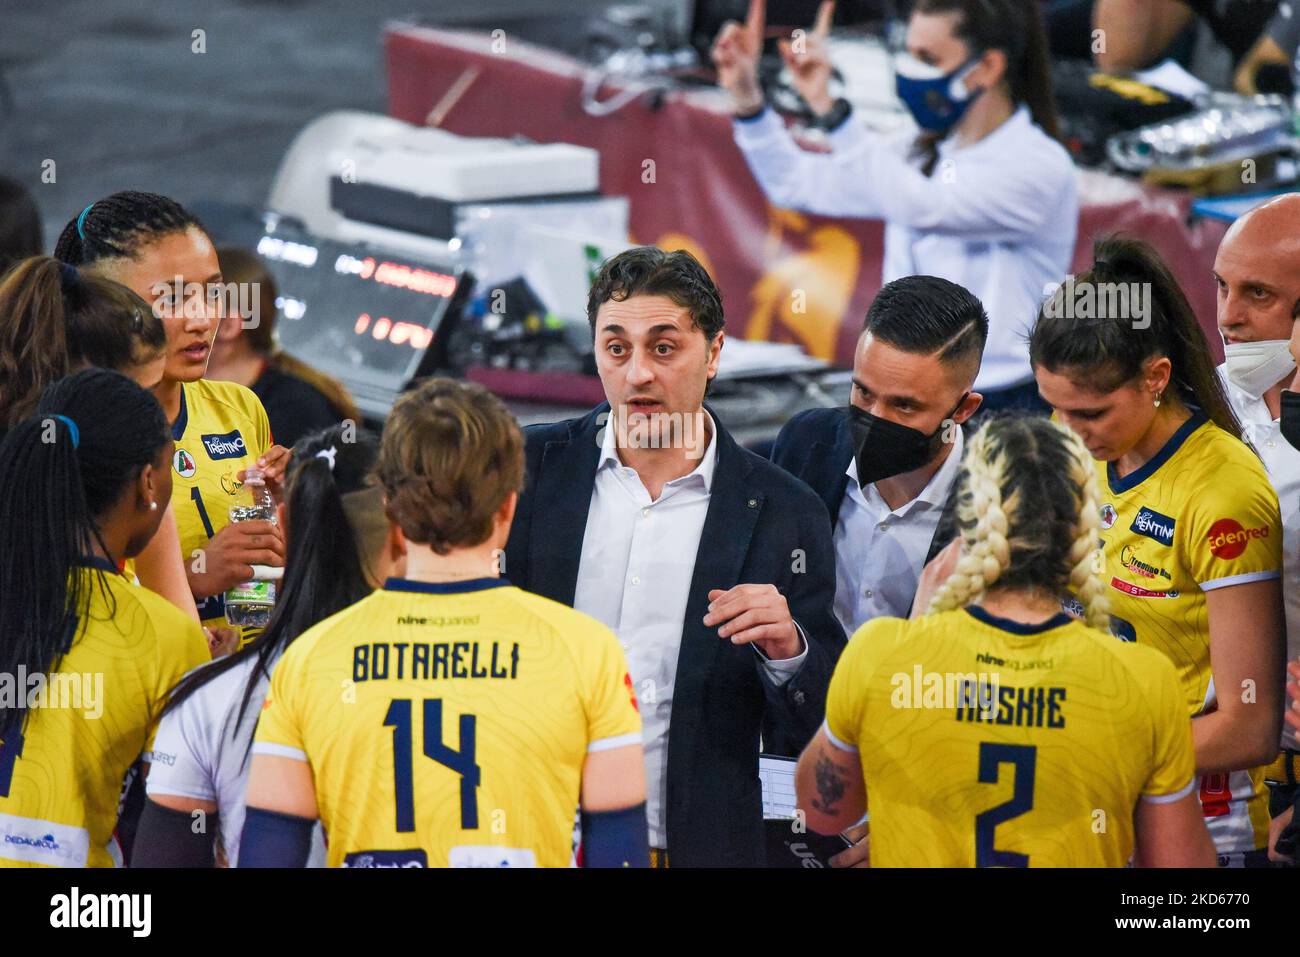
[[993, 527]]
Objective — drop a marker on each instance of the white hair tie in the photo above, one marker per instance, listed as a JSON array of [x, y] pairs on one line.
[[328, 455]]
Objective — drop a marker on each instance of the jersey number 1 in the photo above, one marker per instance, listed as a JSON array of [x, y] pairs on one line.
[[462, 761], [1023, 757]]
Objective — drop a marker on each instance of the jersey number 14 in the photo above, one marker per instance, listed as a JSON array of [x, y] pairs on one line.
[[462, 762]]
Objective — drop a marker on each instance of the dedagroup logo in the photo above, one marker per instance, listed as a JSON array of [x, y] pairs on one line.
[[131, 911]]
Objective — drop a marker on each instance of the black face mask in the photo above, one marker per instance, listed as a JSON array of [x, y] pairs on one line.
[[884, 449], [1290, 421]]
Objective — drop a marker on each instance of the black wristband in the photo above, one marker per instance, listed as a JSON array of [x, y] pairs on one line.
[[835, 117]]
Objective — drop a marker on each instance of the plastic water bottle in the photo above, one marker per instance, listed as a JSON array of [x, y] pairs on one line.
[[250, 603]]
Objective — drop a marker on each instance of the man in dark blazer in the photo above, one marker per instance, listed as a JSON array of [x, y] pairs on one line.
[[886, 465], [713, 566]]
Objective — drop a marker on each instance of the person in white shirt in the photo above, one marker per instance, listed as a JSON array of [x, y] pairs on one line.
[[340, 548], [984, 196], [713, 566], [1257, 270], [885, 465]]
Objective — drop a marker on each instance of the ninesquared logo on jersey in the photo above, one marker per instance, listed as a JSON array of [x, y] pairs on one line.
[[229, 445], [415, 857], [1152, 524], [1227, 539], [183, 463], [1108, 515]]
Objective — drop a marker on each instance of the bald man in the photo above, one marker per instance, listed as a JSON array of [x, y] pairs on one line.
[[1257, 269]]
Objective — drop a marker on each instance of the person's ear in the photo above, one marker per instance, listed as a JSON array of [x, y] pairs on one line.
[[394, 543], [146, 491], [991, 71], [506, 515], [715, 352], [970, 405], [1156, 376]]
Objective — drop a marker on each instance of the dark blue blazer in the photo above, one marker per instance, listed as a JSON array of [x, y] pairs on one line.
[[817, 446], [758, 519]]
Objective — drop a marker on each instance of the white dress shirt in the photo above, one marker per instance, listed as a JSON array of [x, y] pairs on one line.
[[998, 216], [1283, 464], [880, 552], [638, 559]]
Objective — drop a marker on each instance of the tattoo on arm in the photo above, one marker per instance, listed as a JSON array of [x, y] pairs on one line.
[[830, 785]]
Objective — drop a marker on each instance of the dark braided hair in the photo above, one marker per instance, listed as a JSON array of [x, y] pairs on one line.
[[117, 226], [56, 482], [1110, 350], [335, 526]]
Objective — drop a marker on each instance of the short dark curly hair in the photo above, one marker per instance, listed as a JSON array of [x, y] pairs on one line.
[[650, 271]]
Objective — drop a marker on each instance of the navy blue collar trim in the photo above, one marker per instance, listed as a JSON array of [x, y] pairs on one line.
[[1018, 627], [97, 561], [444, 588], [1137, 476], [182, 420]]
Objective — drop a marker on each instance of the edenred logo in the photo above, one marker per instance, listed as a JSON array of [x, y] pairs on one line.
[[1227, 539]]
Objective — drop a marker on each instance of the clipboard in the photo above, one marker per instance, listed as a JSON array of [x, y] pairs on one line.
[[786, 844]]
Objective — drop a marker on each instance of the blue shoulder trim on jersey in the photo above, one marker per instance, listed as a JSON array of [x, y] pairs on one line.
[[444, 588], [1137, 476], [97, 561], [182, 419], [1018, 627]]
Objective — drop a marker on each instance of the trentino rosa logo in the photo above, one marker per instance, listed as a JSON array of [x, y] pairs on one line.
[[1149, 522], [228, 446]]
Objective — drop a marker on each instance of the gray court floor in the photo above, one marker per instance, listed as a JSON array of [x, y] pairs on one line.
[[105, 95]]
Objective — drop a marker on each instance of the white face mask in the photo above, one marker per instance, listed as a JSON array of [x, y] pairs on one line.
[[1255, 367]]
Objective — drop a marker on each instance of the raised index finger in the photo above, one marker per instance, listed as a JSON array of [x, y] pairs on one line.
[[755, 21], [825, 13]]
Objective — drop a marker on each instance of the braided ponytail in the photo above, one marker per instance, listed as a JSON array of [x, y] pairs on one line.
[[980, 511], [1029, 513], [1086, 582], [117, 226]]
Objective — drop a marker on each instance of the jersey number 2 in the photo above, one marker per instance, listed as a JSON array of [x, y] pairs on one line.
[[1023, 758], [462, 761]]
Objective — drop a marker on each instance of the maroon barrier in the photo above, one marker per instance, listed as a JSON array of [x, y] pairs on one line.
[[785, 276]]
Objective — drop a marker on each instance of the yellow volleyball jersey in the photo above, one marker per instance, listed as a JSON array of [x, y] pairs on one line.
[[61, 778], [989, 743], [221, 430], [1200, 515], [448, 724]]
